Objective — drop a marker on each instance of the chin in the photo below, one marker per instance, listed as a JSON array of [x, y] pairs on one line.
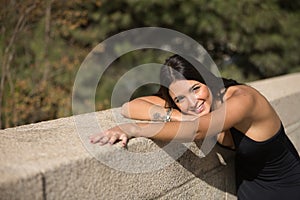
[[204, 112]]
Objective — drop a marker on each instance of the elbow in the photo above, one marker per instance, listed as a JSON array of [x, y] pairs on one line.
[[198, 136], [125, 109]]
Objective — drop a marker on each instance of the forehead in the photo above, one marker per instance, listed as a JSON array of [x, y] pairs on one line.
[[181, 87]]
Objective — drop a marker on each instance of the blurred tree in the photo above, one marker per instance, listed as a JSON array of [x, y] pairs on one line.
[[258, 37], [37, 70], [42, 44]]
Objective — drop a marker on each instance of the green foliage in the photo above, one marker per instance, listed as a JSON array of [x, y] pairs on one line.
[[41, 51]]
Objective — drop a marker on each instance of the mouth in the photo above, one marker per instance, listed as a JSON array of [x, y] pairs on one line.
[[199, 109]]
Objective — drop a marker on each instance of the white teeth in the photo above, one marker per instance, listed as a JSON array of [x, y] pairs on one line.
[[199, 108]]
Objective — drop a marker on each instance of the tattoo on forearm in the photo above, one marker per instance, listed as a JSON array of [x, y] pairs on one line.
[[158, 117]]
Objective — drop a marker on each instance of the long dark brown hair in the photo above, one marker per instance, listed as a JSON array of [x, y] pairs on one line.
[[179, 68]]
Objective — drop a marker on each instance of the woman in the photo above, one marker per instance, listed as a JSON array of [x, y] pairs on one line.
[[192, 105]]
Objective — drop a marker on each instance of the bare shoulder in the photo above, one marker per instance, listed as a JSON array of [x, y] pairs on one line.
[[242, 95], [262, 121], [252, 101], [248, 95]]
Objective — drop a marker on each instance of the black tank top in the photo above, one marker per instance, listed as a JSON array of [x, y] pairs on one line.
[[266, 170]]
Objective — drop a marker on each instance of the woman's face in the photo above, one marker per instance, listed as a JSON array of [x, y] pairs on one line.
[[191, 97]]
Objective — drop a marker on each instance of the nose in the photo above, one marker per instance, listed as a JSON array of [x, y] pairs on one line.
[[192, 99]]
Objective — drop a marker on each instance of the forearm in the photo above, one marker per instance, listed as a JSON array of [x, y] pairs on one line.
[[207, 125], [185, 131], [196, 129], [143, 110], [181, 131]]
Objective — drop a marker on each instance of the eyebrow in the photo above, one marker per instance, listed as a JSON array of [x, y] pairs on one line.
[[191, 88]]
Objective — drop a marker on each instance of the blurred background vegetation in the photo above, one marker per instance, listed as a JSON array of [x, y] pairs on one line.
[[44, 42]]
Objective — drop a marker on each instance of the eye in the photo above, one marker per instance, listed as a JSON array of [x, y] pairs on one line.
[[196, 89], [179, 99]]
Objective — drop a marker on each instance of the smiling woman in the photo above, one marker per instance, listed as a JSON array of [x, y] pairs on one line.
[[193, 104]]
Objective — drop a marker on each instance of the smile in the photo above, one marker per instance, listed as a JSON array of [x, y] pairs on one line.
[[199, 108]]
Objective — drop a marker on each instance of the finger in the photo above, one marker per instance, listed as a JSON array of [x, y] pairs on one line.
[[96, 138], [112, 139], [104, 140], [124, 139]]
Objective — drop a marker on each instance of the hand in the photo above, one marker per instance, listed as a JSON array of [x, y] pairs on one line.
[[122, 132]]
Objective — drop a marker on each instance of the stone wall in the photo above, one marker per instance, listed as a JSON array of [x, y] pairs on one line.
[[49, 160]]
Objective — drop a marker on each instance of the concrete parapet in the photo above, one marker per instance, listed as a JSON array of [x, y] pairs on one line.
[[48, 160]]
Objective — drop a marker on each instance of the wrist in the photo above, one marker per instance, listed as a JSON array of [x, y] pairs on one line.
[[168, 115], [161, 114]]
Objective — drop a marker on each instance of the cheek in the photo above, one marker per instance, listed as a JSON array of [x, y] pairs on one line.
[[182, 106], [203, 93]]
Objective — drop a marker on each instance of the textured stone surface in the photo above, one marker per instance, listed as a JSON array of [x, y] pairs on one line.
[[54, 160], [48, 161]]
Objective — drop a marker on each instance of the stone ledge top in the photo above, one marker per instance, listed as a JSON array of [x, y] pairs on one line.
[[34, 148], [278, 87]]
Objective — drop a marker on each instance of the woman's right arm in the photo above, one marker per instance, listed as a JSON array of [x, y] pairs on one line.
[[151, 108]]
